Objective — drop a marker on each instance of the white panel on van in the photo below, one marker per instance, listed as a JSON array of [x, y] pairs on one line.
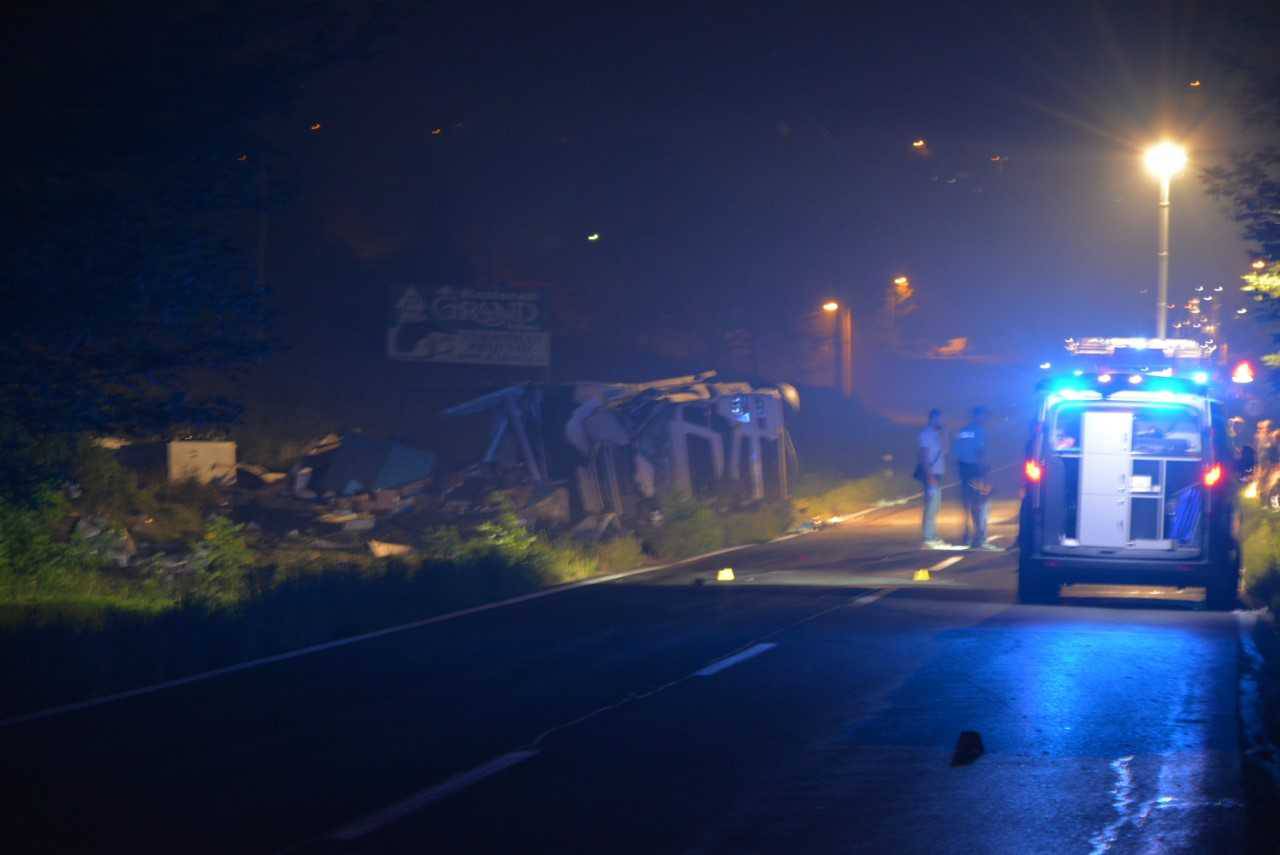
[[1105, 470]]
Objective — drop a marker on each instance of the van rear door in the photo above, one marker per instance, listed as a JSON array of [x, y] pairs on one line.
[[1104, 478]]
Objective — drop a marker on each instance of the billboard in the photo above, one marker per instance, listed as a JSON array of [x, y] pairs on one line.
[[466, 326]]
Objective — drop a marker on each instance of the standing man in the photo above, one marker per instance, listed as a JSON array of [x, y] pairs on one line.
[[970, 450], [931, 465]]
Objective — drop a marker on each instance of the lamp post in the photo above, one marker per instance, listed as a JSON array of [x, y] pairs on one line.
[[1164, 160], [842, 337]]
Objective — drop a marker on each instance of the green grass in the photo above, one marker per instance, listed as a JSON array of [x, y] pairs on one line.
[[819, 497]]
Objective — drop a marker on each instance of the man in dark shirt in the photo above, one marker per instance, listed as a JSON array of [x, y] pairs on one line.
[[970, 451]]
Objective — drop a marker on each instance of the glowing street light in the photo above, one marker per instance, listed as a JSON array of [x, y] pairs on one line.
[[593, 237], [1258, 265], [918, 144], [900, 280], [830, 306], [1163, 160]]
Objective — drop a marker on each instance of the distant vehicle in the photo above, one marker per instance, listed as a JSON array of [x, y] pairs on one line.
[[1129, 475]]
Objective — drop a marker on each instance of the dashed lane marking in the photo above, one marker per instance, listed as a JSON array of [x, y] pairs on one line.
[[419, 800], [730, 661]]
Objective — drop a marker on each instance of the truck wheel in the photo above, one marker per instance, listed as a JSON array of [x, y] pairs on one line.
[[1034, 587]]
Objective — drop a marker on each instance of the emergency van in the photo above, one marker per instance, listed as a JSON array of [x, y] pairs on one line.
[[1130, 475]]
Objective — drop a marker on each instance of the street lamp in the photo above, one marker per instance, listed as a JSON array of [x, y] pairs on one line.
[[1164, 160], [842, 344]]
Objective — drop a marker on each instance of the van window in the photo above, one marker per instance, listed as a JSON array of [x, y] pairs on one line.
[[1166, 432], [1066, 429]]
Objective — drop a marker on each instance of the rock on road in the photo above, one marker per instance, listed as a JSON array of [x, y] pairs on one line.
[[811, 705]]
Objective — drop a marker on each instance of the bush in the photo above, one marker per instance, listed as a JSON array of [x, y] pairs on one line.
[[1260, 548], [222, 562], [108, 489], [30, 550], [689, 528], [619, 554]]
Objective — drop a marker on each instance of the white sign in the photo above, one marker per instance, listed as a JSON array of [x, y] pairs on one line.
[[465, 326]]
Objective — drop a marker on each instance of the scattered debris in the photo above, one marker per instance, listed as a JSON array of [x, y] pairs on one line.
[[258, 476], [361, 464], [382, 549], [113, 544], [201, 461]]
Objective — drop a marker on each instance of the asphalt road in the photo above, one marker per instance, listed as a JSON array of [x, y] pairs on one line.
[[614, 718]]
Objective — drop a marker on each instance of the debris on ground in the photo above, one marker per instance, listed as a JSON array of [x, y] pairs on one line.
[[382, 549]]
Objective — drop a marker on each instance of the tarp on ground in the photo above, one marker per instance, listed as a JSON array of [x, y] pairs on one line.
[[362, 464]]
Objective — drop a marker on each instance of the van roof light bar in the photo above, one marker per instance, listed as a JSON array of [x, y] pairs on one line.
[[1170, 348]]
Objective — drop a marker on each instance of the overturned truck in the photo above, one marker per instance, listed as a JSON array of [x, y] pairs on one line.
[[618, 446]]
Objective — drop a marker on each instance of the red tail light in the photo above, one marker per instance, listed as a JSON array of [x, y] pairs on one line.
[[1033, 471], [1213, 475]]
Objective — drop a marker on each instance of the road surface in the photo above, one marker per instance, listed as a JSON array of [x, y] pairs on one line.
[[811, 705]]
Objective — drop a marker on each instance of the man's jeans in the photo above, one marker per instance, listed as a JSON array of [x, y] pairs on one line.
[[976, 507], [932, 504]]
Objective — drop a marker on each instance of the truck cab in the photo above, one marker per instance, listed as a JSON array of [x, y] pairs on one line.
[[1130, 478]]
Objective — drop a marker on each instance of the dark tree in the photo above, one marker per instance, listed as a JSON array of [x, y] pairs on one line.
[[138, 183], [1248, 180]]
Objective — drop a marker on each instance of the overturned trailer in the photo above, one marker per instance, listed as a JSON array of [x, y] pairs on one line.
[[618, 446]]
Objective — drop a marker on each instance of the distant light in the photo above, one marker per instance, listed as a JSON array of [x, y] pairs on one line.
[[1200, 378], [1213, 475], [1077, 372], [1242, 311], [435, 132], [1194, 84], [830, 306], [1251, 491], [1199, 287], [1135, 379], [1033, 471], [1104, 378], [995, 158], [1219, 288], [900, 280], [315, 126], [1258, 265], [1165, 160], [594, 236], [1045, 366], [242, 158], [1243, 373], [918, 143]]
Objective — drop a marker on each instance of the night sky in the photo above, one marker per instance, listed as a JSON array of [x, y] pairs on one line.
[[742, 163]]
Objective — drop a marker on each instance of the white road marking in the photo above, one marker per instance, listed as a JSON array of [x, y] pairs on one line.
[[422, 798], [730, 661], [874, 596], [945, 563]]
